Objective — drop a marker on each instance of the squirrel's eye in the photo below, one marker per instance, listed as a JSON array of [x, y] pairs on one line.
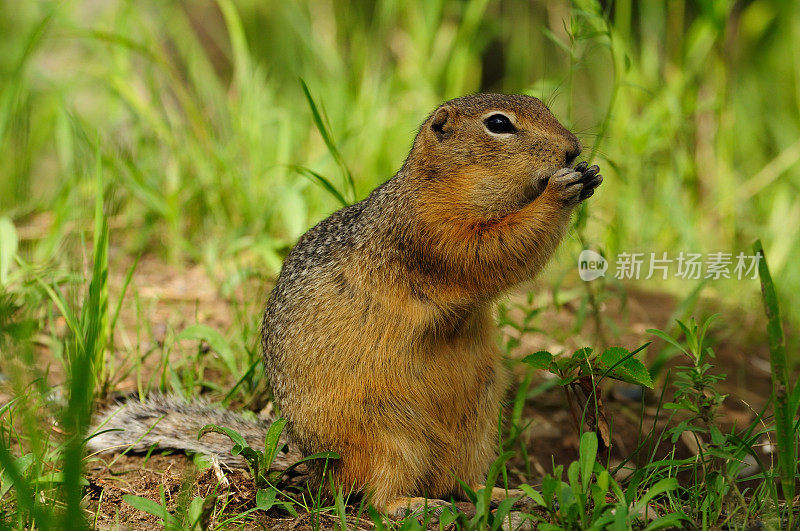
[[499, 123]]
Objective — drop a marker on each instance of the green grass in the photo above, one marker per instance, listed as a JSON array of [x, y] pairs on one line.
[[216, 133]]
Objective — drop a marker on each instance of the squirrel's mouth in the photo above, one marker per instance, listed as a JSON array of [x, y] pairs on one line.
[[537, 185], [534, 189]]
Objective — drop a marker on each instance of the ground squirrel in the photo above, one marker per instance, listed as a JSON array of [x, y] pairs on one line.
[[379, 336]]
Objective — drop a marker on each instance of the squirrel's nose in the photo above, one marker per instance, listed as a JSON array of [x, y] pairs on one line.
[[572, 152]]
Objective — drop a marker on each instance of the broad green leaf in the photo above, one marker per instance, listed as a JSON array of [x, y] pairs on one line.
[[539, 360], [716, 436], [573, 473], [265, 498], [150, 507], [22, 464], [584, 353], [567, 364], [533, 494], [195, 512], [271, 441], [617, 363]]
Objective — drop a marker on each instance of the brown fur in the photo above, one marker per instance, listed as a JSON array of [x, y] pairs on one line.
[[379, 338]]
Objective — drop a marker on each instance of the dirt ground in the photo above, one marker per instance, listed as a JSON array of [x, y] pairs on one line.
[[171, 298]]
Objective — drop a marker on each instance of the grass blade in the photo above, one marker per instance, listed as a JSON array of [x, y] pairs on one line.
[[215, 340], [328, 138], [787, 455], [322, 181], [9, 241]]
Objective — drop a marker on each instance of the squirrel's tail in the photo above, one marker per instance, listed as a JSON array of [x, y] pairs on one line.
[[169, 423]]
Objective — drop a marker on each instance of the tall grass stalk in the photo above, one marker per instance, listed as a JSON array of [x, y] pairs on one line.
[[783, 393]]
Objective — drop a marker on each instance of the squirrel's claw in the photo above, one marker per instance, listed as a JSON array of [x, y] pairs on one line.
[[573, 185]]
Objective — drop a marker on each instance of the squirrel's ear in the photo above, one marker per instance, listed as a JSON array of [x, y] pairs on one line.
[[443, 122]]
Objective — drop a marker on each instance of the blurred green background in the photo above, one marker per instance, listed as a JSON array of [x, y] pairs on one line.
[[195, 112]]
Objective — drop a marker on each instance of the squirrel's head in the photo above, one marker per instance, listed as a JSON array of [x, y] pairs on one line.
[[493, 152]]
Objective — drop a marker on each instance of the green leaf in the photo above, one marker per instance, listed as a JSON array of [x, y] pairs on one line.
[[587, 457], [218, 344], [340, 509], [603, 478], [447, 517], [238, 41], [500, 514], [660, 487], [21, 465], [271, 441], [24, 494], [409, 524], [240, 447], [619, 363], [491, 477], [667, 521], [668, 339], [150, 507], [232, 435], [377, 519], [318, 455], [55, 478], [573, 473], [551, 483], [717, 437], [566, 365], [471, 495], [265, 498], [539, 360], [533, 494], [194, 513]]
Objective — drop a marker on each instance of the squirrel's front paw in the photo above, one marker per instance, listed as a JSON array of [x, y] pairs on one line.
[[573, 185]]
